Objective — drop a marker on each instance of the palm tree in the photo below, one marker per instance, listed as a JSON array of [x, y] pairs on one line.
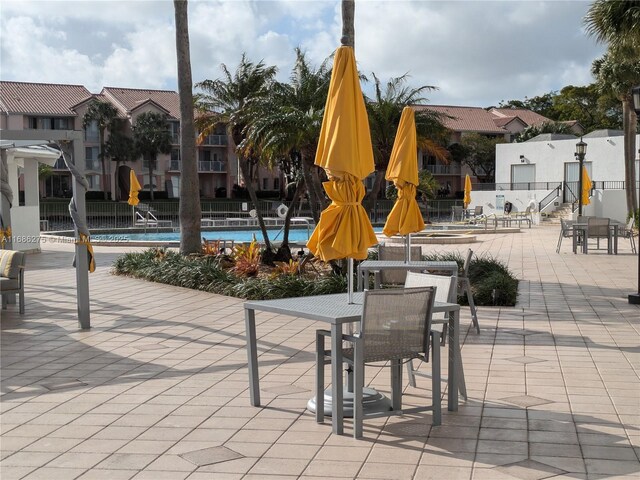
[[103, 113], [289, 120], [225, 101], [617, 23], [119, 148], [617, 72], [190, 209], [151, 136], [385, 110]]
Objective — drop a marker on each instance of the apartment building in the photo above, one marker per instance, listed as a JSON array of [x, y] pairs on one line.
[[44, 106]]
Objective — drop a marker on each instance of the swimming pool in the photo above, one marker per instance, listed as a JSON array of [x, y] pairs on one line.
[[299, 235]]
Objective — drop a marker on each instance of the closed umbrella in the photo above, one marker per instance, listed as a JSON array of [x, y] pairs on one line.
[[345, 152], [586, 186], [467, 191], [134, 188], [405, 217]]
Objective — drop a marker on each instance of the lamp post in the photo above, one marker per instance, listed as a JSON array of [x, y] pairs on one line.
[[581, 151], [634, 298]]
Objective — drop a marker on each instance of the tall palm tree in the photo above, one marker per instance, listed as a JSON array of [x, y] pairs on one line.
[[225, 101], [385, 110], [289, 121], [103, 113], [151, 136], [190, 209], [617, 23], [119, 148], [617, 72]]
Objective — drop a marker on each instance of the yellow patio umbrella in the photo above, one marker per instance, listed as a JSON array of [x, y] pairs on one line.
[[345, 152], [405, 218], [467, 191], [586, 186], [134, 188]]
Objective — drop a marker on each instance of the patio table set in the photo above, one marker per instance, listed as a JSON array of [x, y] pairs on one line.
[[589, 228]]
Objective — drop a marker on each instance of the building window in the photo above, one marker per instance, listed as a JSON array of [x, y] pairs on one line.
[[265, 184], [276, 184], [523, 174], [94, 181], [174, 128], [91, 133], [92, 158]]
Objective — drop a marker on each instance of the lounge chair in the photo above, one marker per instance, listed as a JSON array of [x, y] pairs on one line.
[[12, 276]]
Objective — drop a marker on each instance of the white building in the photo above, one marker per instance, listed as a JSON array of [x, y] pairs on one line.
[[543, 172]]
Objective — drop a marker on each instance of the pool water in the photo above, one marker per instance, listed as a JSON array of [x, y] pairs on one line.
[[275, 235]]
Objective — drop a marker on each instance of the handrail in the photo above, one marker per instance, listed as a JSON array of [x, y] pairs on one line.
[[551, 196]]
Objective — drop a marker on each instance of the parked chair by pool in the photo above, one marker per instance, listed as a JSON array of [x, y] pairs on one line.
[[394, 252], [630, 234], [457, 213]]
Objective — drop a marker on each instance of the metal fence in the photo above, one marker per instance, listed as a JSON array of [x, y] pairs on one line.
[[109, 215]]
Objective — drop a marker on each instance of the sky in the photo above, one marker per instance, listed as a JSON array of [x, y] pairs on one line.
[[477, 53]]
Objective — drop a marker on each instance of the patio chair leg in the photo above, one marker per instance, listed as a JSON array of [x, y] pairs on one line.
[[436, 388], [396, 385], [472, 306], [319, 377], [411, 375], [357, 390]]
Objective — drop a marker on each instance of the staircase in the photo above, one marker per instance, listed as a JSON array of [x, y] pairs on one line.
[[563, 211]]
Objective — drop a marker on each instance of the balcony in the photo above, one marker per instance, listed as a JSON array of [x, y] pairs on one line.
[[220, 140], [443, 169], [203, 166]]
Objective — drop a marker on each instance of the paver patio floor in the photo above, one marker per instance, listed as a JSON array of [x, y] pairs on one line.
[[158, 388]]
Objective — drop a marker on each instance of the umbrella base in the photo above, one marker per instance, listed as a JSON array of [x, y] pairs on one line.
[[372, 400]]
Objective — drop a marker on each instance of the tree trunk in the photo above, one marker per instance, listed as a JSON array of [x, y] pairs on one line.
[[348, 29], [629, 127], [244, 166], [103, 164], [287, 219], [150, 164], [116, 195], [371, 198], [190, 209]]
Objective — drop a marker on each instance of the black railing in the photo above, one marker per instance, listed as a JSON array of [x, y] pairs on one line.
[[555, 193]]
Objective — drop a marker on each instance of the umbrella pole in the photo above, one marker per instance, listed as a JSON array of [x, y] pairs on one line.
[[350, 280], [407, 248]]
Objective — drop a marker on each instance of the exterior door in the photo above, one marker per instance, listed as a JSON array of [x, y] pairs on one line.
[[572, 180]]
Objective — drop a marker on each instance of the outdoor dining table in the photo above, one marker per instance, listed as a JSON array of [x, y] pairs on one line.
[[377, 266], [581, 236], [336, 311]]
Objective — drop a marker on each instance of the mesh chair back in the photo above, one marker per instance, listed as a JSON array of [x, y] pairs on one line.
[[598, 227], [565, 228], [386, 252], [396, 323], [446, 287], [478, 211]]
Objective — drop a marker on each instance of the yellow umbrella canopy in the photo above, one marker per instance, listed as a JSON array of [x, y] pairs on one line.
[[405, 217], [134, 188], [467, 191], [345, 152], [586, 186]]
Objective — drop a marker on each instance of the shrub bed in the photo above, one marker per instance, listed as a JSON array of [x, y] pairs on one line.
[[208, 273]]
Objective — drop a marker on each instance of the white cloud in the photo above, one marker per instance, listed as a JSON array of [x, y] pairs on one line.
[[477, 53]]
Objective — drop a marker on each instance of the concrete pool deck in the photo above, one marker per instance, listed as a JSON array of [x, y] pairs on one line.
[[158, 388]]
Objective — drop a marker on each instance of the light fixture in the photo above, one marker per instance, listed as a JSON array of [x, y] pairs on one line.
[[581, 151], [522, 159]]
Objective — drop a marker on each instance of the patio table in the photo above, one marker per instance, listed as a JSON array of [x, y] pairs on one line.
[[336, 311], [376, 266], [580, 231]]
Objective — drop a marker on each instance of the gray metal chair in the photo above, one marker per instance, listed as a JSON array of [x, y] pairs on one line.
[[598, 228], [395, 326], [465, 285], [457, 213], [394, 252], [12, 276], [566, 231], [629, 233]]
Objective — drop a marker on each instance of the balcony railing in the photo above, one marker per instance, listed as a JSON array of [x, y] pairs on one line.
[[203, 166], [443, 169], [215, 140]]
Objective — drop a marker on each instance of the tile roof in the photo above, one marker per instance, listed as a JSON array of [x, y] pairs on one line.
[[40, 98], [128, 99], [527, 116], [502, 121], [465, 119]]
